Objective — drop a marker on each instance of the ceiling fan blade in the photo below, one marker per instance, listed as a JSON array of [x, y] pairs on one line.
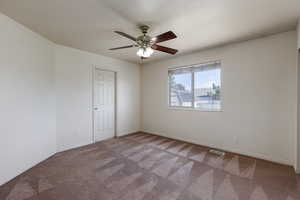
[[164, 37], [124, 47], [126, 35], [164, 49]]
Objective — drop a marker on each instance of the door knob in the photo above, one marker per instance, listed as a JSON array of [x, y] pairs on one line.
[[95, 108]]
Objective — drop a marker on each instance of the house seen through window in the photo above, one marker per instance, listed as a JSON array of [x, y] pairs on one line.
[[196, 86]]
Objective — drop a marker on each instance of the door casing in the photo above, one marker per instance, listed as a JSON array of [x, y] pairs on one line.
[[94, 68]]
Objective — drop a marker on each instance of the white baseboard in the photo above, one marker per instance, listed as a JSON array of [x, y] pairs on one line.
[[126, 133], [297, 170], [237, 151], [29, 168]]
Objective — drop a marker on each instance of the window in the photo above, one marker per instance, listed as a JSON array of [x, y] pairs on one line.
[[197, 86]]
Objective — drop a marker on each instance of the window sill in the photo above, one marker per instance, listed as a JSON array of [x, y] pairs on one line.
[[194, 109]]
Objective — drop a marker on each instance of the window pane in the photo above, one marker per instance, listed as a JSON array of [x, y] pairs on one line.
[[207, 91], [181, 89]]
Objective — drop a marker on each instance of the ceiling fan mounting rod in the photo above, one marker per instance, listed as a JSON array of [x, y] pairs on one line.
[[144, 29]]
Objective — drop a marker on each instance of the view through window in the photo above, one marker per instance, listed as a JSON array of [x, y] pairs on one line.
[[197, 86]]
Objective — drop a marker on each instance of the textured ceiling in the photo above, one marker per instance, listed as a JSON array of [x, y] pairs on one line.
[[89, 24]]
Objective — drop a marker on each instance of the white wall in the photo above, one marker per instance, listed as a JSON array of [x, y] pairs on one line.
[[27, 103], [298, 30], [259, 89], [74, 95], [35, 74], [298, 130], [298, 117]]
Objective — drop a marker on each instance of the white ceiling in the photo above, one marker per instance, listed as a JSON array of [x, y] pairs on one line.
[[89, 24]]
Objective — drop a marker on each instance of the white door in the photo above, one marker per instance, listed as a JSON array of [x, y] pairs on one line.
[[104, 105]]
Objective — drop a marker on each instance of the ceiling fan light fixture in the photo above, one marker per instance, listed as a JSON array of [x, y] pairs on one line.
[[147, 44], [145, 52]]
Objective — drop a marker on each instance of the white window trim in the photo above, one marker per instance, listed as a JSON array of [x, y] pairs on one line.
[[192, 108]]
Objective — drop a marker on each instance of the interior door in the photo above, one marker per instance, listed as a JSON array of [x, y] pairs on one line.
[[104, 104]]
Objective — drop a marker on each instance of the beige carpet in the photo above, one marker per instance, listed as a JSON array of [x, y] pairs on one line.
[[147, 167]]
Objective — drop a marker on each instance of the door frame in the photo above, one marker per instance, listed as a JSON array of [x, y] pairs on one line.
[[94, 68]]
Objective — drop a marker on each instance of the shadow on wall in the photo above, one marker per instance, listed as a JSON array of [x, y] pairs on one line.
[[298, 115]]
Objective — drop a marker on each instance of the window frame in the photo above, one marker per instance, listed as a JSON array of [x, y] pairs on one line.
[[192, 107]]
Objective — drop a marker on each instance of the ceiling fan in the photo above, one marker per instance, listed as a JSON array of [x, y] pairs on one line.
[[147, 44]]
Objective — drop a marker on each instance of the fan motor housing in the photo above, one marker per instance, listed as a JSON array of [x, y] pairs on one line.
[[144, 41]]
